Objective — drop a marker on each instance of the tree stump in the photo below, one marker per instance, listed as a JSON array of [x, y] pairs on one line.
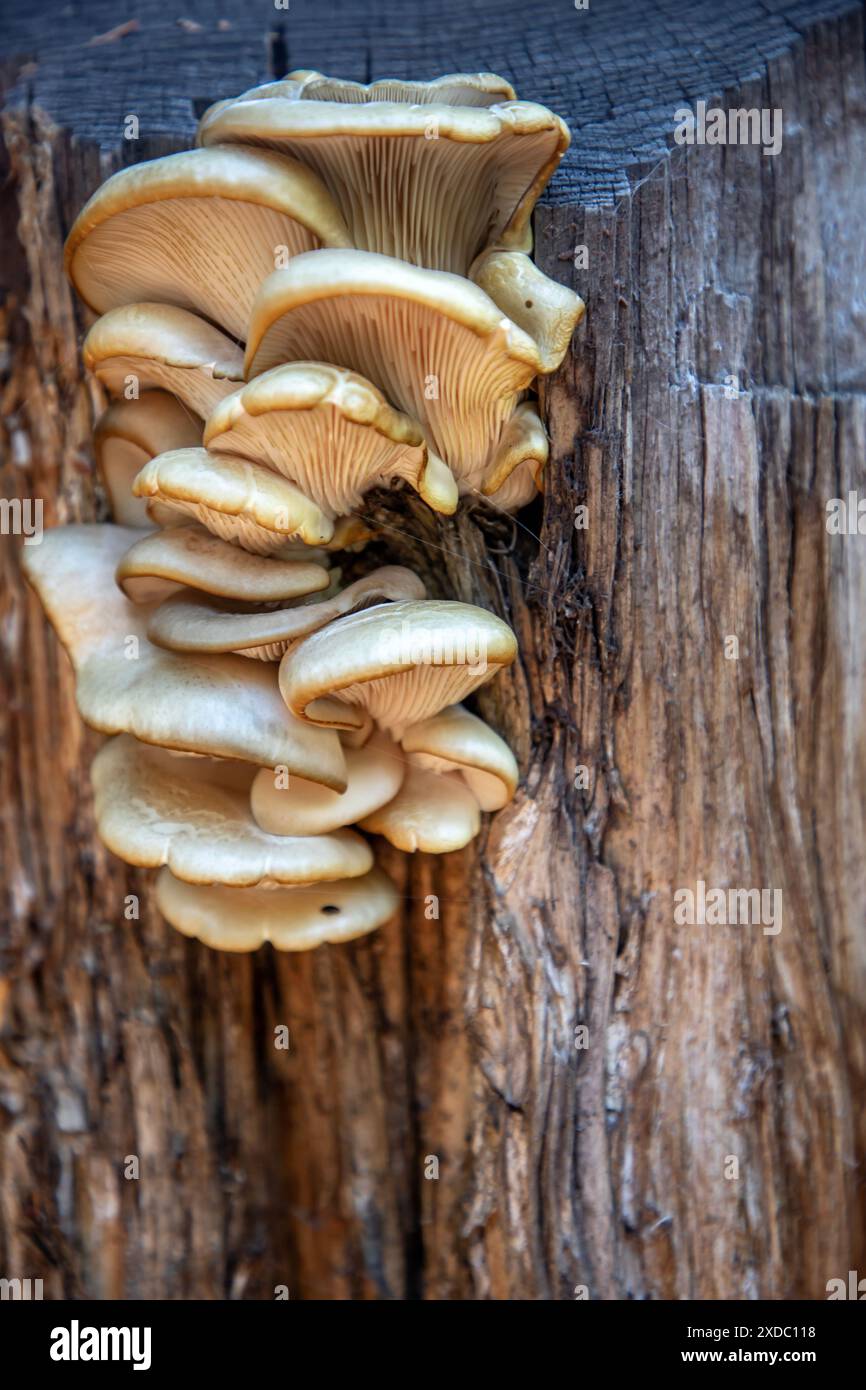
[[555, 1086]]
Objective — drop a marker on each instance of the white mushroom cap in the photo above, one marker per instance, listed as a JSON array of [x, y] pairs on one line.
[[189, 622], [221, 706], [237, 500], [131, 432], [547, 311], [189, 556], [432, 812], [198, 229], [457, 741], [196, 819], [375, 774], [291, 919], [454, 89], [158, 345], [431, 184], [331, 432], [400, 662], [437, 345]]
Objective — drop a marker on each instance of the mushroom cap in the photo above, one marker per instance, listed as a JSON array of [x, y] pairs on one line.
[[189, 556], [331, 432], [375, 774], [432, 184], [436, 344], [291, 919], [401, 662], [520, 487], [454, 89], [456, 741], [237, 500], [221, 706], [189, 622], [548, 311], [432, 812], [129, 433], [198, 229], [196, 819], [161, 346], [522, 444]]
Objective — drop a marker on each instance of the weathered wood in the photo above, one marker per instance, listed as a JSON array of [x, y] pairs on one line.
[[455, 1039]]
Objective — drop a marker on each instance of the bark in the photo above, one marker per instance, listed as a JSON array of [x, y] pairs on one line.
[[454, 1039]]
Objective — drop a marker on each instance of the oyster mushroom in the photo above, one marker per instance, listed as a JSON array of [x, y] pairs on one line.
[[221, 706], [457, 741], [127, 435], [291, 919], [400, 663], [433, 813], [198, 230], [548, 311], [374, 776], [142, 346], [436, 344], [196, 819], [233, 498], [432, 184], [190, 622], [331, 432], [454, 89], [189, 556]]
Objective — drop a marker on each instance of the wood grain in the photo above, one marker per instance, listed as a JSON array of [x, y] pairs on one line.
[[454, 1039]]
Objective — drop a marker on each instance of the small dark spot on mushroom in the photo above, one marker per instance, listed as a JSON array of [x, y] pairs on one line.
[[528, 303], [329, 908]]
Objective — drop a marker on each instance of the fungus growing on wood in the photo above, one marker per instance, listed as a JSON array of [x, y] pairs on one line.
[[399, 662], [436, 344], [331, 432], [127, 435], [374, 776], [197, 821], [190, 556], [432, 183], [143, 346], [235, 499], [291, 919], [198, 230]]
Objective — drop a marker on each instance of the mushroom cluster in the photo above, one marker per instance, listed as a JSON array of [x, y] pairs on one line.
[[331, 293]]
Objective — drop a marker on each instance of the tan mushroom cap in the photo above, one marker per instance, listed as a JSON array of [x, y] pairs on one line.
[[457, 741], [198, 230], [454, 89], [375, 774], [237, 500], [129, 433], [436, 345], [189, 622], [400, 662], [145, 346], [332, 433], [523, 445], [221, 706], [291, 919], [432, 812], [432, 184], [190, 557], [196, 820], [548, 311]]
